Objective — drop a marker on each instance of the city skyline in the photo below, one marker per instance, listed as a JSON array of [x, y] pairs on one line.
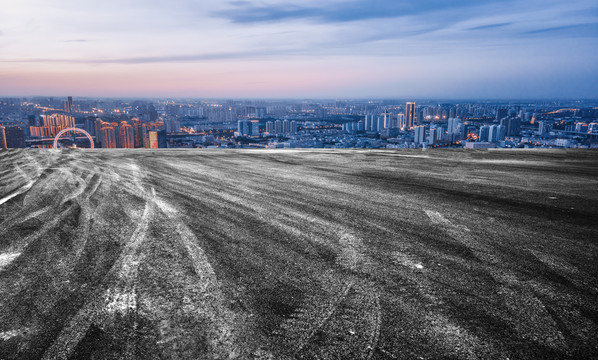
[[275, 49]]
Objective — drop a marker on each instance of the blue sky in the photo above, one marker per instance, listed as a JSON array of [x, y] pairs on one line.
[[324, 48]]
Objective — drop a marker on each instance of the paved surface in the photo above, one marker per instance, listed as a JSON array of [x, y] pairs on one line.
[[298, 254]]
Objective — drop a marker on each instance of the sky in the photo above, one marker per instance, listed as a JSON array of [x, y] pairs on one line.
[[300, 49]]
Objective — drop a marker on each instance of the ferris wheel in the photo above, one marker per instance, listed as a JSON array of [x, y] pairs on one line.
[[72, 129]]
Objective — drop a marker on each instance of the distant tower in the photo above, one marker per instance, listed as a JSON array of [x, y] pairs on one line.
[[69, 105], [410, 115], [386, 119]]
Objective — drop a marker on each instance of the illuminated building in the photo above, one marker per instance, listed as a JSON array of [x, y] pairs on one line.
[[152, 139], [127, 136], [52, 125], [138, 132], [410, 115], [109, 137], [3, 144], [145, 128], [401, 121]]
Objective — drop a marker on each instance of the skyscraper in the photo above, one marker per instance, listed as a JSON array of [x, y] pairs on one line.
[[501, 113], [419, 134], [12, 137], [127, 136], [3, 144], [68, 105], [109, 137], [401, 121], [483, 134], [433, 135], [410, 115], [386, 119]]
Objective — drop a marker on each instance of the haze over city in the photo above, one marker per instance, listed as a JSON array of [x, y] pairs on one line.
[[251, 49]]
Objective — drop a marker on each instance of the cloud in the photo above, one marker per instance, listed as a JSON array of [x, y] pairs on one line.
[[246, 12], [575, 30], [147, 59], [490, 26]]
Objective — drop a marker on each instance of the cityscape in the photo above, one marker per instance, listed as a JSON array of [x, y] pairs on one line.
[[275, 124], [299, 179]]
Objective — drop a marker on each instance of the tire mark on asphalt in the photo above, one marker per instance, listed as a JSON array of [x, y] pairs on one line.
[[315, 312], [21, 190], [521, 302], [18, 218], [7, 258], [103, 306], [212, 296]]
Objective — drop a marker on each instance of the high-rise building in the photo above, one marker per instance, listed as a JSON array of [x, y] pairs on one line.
[[386, 119], [153, 139], [254, 128], [433, 135], [419, 134], [381, 124], [401, 121], [162, 139], [12, 137], [502, 132], [248, 128], [501, 113], [138, 132], [3, 144], [109, 137], [410, 115], [69, 105], [173, 125], [368, 122], [493, 133], [484, 133], [243, 128], [127, 136]]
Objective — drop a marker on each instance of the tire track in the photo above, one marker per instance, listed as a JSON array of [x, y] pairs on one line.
[[521, 302], [103, 306], [212, 300]]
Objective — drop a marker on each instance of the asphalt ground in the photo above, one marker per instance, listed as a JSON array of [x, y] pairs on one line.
[[301, 254]]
